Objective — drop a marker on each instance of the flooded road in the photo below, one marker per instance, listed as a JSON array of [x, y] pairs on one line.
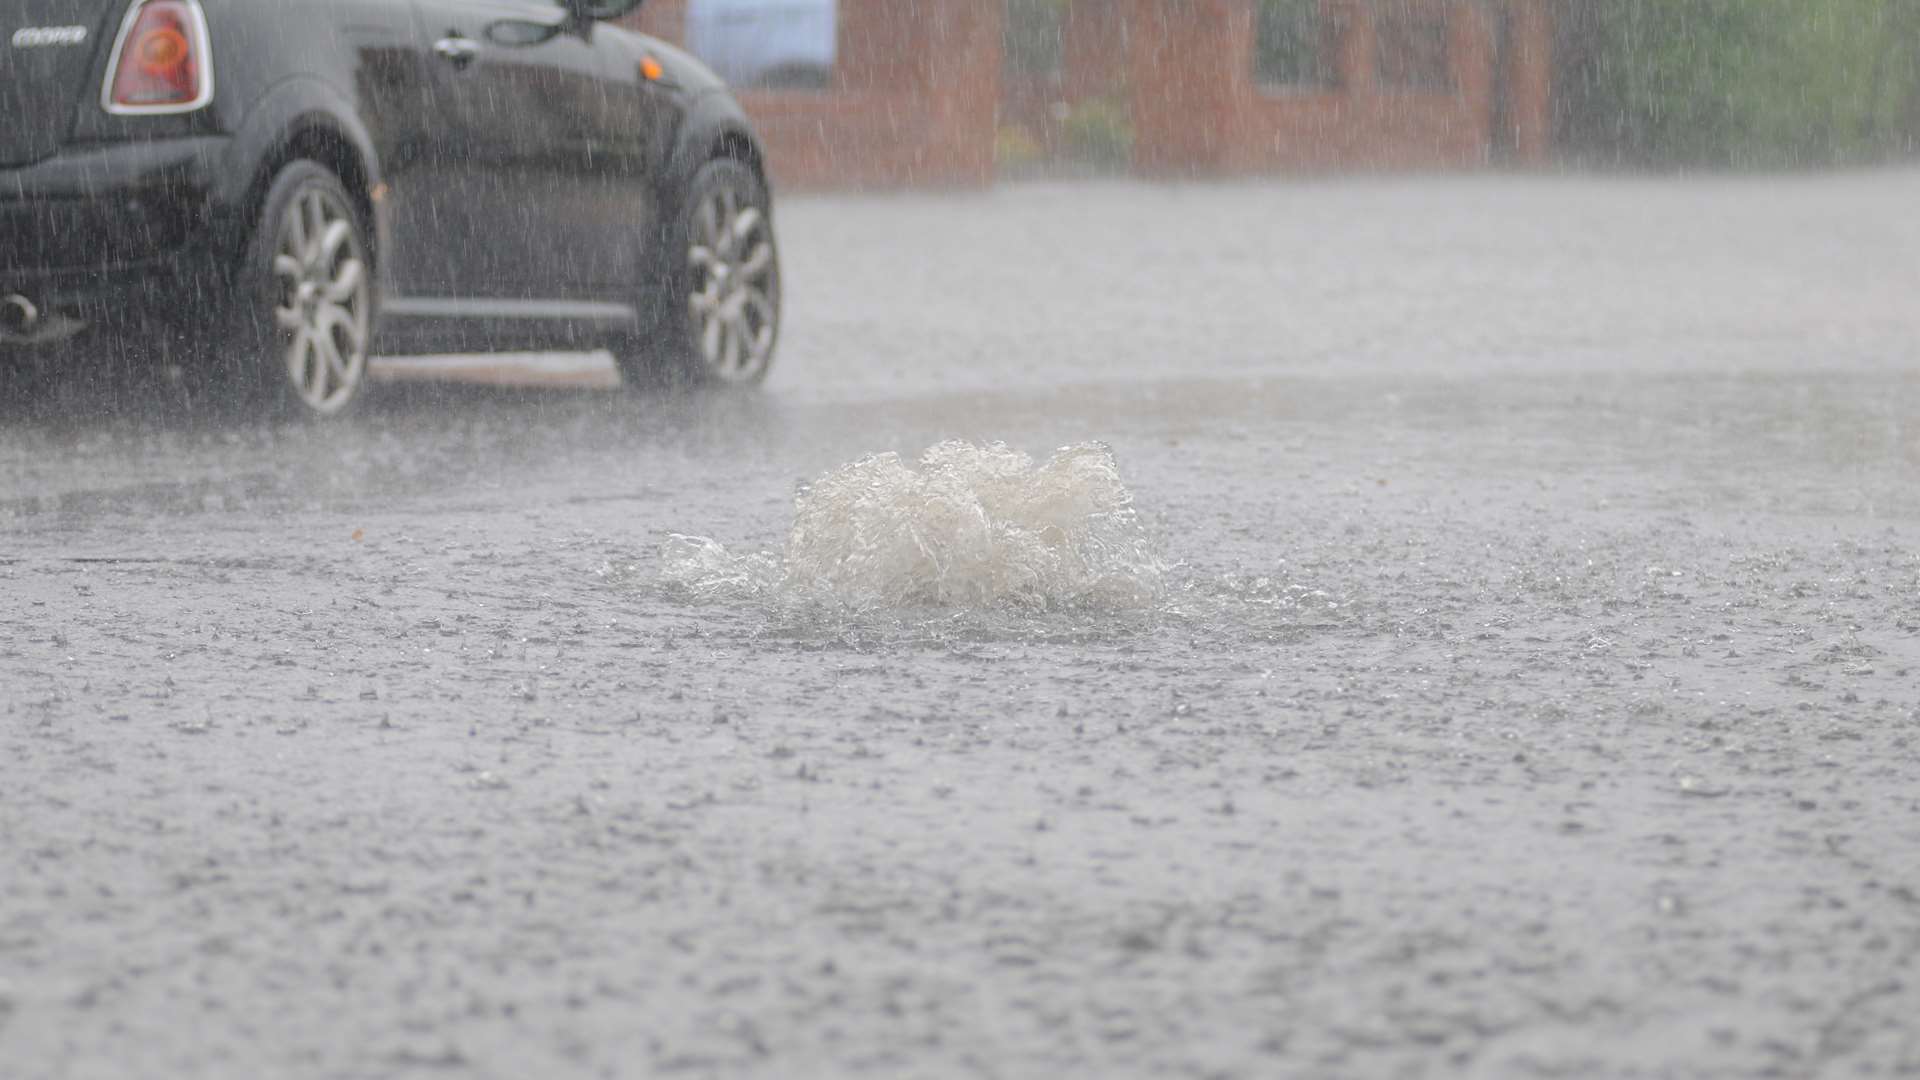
[[1530, 681]]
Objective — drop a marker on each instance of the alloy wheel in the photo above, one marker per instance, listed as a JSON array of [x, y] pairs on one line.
[[734, 302], [324, 305]]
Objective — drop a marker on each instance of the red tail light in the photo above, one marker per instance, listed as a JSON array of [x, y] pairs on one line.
[[160, 61]]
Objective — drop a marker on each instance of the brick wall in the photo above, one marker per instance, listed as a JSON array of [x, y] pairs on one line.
[[917, 91], [1198, 108], [916, 88], [1529, 104]]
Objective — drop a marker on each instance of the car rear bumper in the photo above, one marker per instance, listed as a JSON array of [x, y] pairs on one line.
[[105, 231]]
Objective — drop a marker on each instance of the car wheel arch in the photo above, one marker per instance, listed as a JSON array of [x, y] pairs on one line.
[[738, 145], [306, 118], [729, 141], [316, 140], [714, 127]]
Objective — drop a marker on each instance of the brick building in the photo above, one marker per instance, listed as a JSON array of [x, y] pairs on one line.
[[912, 99], [919, 89]]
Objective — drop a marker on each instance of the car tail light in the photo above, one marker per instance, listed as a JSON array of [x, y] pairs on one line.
[[161, 61]]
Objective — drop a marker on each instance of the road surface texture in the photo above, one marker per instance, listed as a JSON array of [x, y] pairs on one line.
[[1532, 687]]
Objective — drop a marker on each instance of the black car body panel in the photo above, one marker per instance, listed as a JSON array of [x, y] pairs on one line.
[[119, 233], [511, 160], [40, 80]]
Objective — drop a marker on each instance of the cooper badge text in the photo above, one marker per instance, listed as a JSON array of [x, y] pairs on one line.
[[40, 37]]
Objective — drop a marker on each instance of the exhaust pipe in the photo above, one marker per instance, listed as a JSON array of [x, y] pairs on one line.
[[18, 317]]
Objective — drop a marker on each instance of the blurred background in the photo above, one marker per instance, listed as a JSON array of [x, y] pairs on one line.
[[951, 93]]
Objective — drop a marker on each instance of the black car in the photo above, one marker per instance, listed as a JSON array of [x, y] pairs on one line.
[[271, 189]]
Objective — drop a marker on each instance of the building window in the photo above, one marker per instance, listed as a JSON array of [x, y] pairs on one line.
[[1411, 43], [1035, 36], [767, 44], [1293, 44]]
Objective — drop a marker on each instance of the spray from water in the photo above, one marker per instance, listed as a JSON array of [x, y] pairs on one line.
[[965, 527]]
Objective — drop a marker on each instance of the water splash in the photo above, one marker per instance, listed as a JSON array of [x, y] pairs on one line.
[[965, 527]]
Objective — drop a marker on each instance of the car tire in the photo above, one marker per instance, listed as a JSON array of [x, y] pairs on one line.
[[302, 314], [717, 324]]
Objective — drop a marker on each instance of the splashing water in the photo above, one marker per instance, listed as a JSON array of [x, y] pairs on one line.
[[965, 527]]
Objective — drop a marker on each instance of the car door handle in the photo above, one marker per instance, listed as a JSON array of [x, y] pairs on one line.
[[456, 50]]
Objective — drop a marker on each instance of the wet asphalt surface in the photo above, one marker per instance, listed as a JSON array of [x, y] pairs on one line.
[[1536, 693]]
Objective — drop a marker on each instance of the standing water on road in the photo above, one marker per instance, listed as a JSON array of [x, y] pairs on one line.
[[1499, 659]]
